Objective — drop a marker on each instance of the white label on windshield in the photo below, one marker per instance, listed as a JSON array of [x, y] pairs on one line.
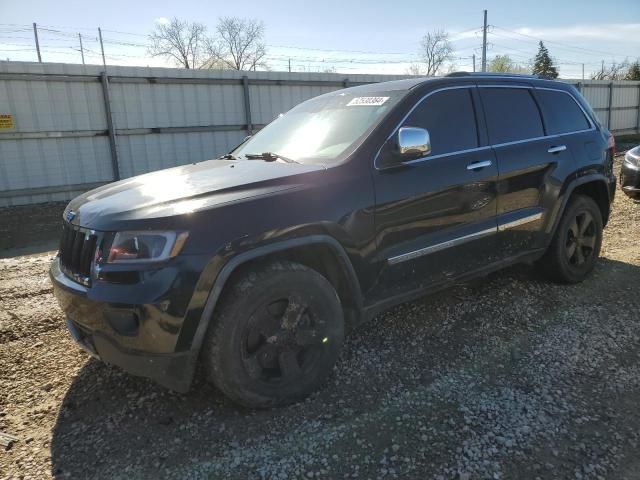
[[367, 101]]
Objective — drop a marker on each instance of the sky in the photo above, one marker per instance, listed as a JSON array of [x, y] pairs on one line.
[[350, 36]]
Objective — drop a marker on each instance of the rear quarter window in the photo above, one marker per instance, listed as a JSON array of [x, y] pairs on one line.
[[561, 112], [511, 114]]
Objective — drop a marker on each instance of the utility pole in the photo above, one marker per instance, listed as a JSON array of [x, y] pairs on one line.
[[104, 62], [35, 34], [289, 65], [474, 62], [484, 43], [583, 71], [81, 49]]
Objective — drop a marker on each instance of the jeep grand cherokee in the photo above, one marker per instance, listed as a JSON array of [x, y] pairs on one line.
[[255, 264]]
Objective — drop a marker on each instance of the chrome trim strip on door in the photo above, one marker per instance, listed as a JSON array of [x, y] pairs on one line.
[[443, 155], [460, 240], [440, 246], [521, 221]]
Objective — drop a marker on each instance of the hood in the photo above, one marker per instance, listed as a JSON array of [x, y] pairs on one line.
[[184, 189]]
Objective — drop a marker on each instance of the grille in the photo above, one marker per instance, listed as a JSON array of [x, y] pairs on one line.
[[77, 251]]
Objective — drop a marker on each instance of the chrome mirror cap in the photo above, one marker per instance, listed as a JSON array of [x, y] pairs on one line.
[[413, 142]]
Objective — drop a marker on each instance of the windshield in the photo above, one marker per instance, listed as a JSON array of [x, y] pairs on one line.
[[320, 130]]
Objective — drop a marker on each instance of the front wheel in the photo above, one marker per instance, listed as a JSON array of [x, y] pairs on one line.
[[277, 334], [576, 243]]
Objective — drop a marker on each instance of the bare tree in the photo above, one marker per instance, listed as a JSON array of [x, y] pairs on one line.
[[238, 45], [616, 71], [180, 41], [415, 69], [435, 50]]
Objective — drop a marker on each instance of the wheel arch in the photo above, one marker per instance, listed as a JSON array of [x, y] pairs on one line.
[[598, 191], [319, 252], [594, 186]]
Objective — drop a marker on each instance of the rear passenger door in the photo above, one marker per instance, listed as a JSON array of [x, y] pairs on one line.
[[567, 125], [526, 159]]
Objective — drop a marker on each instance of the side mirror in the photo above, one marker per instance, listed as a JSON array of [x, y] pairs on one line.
[[413, 143]]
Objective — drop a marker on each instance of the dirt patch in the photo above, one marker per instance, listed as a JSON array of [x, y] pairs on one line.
[[30, 229], [507, 377]]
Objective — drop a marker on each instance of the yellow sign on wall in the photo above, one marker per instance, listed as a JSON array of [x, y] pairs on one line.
[[6, 121]]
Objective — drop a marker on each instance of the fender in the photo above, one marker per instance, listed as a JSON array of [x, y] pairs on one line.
[[237, 261], [568, 189]]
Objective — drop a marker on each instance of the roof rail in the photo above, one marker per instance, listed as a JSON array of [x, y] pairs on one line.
[[489, 74]]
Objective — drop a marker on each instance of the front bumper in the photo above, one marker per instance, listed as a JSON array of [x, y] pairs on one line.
[[630, 181], [170, 370], [88, 325]]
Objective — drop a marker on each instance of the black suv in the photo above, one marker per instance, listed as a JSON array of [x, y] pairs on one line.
[[256, 264]]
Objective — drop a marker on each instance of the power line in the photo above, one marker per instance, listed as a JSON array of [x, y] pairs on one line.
[[532, 55], [57, 36], [554, 42]]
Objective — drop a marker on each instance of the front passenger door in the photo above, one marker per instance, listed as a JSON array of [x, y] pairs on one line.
[[436, 216]]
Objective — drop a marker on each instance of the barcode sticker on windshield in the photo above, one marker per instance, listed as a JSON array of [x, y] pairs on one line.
[[367, 101]]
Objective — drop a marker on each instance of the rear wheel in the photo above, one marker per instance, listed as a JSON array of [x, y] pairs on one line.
[[277, 333], [576, 244]]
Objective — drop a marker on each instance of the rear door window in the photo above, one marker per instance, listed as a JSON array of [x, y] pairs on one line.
[[449, 117], [561, 112], [511, 114]]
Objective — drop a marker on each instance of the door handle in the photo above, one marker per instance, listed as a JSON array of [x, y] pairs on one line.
[[478, 165], [557, 149]]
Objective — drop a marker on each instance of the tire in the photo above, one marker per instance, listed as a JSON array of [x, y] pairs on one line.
[[276, 335], [576, 243]]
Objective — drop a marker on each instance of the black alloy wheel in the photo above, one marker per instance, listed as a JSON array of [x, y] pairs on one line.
[[576, 243], [284, 340], [581, 239], [275, 336]]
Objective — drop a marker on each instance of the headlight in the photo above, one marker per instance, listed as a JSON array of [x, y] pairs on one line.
[[632, 158], [145, 246]]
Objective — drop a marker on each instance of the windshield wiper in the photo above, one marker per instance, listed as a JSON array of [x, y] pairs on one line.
[[227, 156], [269, 157]]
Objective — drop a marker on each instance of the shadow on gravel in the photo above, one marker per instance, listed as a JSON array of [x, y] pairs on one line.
[[110, 420]]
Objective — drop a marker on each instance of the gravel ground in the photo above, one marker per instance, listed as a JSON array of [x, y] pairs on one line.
[[505, 377]]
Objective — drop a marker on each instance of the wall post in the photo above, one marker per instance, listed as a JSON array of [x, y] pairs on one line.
[[247, 104], [610, 106], [110, 130], [638, 119]]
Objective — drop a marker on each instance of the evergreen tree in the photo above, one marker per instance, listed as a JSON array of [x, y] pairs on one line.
[[634, 71], [542, 64]]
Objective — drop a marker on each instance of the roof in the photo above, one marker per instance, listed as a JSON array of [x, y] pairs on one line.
[[410, 83], [405, 84], [491, 75]]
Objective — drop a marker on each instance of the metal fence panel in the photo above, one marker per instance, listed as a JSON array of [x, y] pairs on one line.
[[146, 153], [166, 117], [55, 161]]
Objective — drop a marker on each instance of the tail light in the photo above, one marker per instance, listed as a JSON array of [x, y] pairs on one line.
[[611, 153], [611, 145]]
